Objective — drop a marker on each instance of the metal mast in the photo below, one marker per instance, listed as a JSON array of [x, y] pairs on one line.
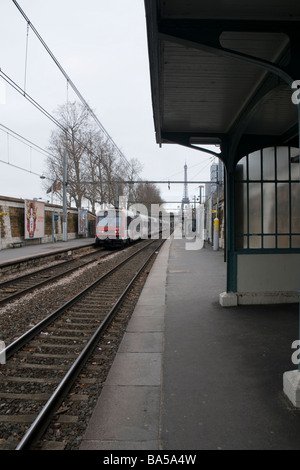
[[185, 199]]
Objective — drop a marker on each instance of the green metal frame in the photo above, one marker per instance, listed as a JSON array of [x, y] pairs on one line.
[[204, 34], [276, 233]]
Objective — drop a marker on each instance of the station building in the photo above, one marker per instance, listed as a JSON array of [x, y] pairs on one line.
[[227, 74]]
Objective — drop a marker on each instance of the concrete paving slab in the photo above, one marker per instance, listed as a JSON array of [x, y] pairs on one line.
[[135, 369], [146, 323], [153, 299], [230, 363], [127, 414], [119, 445], [154, 290], [148, 310], [30, 251], [221, 369], [142, 342]]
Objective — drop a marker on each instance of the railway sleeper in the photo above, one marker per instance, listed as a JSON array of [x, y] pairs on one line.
[[31, 365], [43, 381], [70, 330], [25, 396], [72, 324]]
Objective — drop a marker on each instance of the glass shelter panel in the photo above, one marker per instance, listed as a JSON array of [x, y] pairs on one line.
[[255, 242], [296, 241], [241, 169], [268, 164], [254, 208], [268, 200], [283, 241], [283, 203], [295, 165], [254, 162], [269, 208], [295, 213], [270, 242], [282, 162]]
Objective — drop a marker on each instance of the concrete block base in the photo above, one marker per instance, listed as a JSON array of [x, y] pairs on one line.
[[232, 299], [291, 386], [267, 298], [228, 299]]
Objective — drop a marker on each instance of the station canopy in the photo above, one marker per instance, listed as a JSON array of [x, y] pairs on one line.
[[223, 72]]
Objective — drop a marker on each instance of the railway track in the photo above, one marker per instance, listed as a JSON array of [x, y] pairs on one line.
[[44, 363], [16, 287]]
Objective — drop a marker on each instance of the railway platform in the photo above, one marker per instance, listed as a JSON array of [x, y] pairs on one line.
[[9, 255], [192, 375]]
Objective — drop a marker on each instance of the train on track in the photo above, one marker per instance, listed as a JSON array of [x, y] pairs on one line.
[[120, 227]]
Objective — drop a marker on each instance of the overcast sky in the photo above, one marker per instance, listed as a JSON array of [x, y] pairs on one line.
[[102, 45]]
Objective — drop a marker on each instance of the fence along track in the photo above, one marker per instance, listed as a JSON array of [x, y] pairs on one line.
[[73, 335]]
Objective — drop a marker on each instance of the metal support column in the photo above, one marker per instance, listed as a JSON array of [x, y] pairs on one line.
[[65, 215], [231, 257]]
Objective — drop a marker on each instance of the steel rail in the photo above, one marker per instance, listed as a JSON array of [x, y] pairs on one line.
[[26, 290], [42, 420], [45, 268], [22, 340]]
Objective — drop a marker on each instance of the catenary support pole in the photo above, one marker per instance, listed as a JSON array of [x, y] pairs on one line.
[[65, 215]]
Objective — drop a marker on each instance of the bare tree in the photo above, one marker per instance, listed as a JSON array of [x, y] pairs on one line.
[[75, 141], [147, 194], [132, 175], [98, 170], [95, 171], [91, 159]]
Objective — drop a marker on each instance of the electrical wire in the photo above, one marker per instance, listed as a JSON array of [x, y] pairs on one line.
[[24, 169], [43, 110], [32, 101], [25, 141], [26, 56], [70, 82]]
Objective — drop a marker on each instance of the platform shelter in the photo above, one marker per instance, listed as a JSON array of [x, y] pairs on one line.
[[227, 74]]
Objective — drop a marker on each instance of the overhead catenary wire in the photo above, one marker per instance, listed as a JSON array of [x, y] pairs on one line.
[[32, 101], [24, 141], [205, 163], [43, 110], [7, 136], [23, 169], [70, 83], [26, 56], [31, 145]]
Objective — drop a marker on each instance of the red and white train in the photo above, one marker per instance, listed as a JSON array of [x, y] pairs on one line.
[[120, 227]]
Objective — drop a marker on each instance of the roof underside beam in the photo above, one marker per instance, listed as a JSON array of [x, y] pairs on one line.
[[225, 81], [207, 35], [204, 35]]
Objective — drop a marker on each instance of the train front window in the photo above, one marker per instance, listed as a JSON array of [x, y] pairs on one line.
[[109, 219]]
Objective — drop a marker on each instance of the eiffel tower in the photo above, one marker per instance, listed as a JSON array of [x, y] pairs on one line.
[[185, 199]]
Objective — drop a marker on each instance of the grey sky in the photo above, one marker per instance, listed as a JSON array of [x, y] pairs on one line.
[[103, 48]]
